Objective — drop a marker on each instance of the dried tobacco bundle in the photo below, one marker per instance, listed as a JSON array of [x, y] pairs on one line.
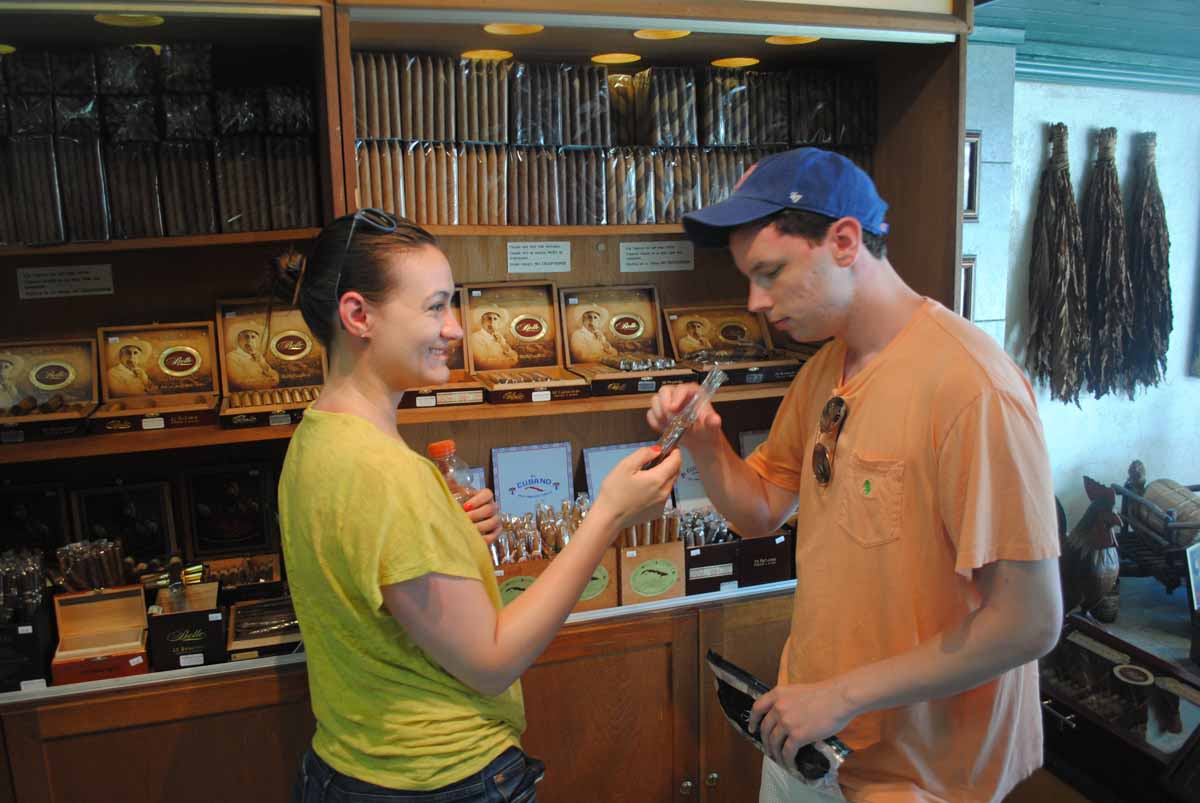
[[1058, 350], [1149, 273], [1110, 299]]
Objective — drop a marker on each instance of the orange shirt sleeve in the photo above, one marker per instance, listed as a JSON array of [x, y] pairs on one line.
[[994, 483], [780, 459]]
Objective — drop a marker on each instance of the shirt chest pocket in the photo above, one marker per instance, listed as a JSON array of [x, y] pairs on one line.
[[870, 507]]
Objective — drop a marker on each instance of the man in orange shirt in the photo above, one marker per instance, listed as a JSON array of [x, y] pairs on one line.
[[927, 579]]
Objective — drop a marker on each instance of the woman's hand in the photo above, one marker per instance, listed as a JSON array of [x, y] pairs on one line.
[[633, 495], [482, 509], [670, 401]]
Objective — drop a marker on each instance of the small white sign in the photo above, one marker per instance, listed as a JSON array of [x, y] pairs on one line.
[[62, 281], [659, 255], [195, 659], [524, 476], [214, 617], [539, 257]]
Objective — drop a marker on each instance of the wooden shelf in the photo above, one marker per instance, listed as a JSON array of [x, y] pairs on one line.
[[554, 231], [152, 243], [194, 437]]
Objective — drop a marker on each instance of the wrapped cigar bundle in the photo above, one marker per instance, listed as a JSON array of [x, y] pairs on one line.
[[84, 565], [420, 177], [74, 72], [381, 176], [132, 172], [22, 584], [33, 185], [187, 67], [29, 72], [720, 169], [533, 187], [481, 95], [724, 107], [813, 106], [483, 185], [536, 106], [30, 114], [130, 70], [665, 98], [581, 186], [243, 202], [856, 109], [82, 179], [187, 187], [622, 109], [292, 178], [241, 111], [431, 92], [377, 99], [770, 95], [539, 535], [620, 187], [77, 116], [131, 118], [585, 105], [188, 116], [676, 183], [289, 111]]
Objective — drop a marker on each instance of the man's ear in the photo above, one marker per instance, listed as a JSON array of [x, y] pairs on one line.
[[845, 236]]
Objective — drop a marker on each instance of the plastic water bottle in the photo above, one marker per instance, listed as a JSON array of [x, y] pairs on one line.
[[453, 468]]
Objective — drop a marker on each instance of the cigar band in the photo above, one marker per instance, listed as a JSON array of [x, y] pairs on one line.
[[529, 327], [732, 331], [627, 326], [291, 344], [179, 361], [52, 375]]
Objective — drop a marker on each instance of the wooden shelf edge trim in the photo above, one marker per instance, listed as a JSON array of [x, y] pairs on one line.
[[155, 243]]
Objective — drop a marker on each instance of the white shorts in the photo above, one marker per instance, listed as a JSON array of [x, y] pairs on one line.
[[779, 787]]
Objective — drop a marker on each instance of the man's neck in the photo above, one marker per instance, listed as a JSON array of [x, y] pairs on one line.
[[883, 306]]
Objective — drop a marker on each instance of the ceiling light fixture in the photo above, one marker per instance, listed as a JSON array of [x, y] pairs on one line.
[[659, 33], [487, 55], [735, 62], [616, 58], [792, 40], [129, 20], [513, 28], [7, 49]]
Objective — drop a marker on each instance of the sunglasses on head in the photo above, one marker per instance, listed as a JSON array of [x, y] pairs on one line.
[[832, 417], [371, 219]]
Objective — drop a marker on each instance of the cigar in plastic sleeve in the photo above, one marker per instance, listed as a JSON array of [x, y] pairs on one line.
[[683, 420], [645, 532]]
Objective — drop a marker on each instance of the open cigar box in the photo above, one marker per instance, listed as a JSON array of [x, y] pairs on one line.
[[156, 376], [48, 388], [614, 339], [731, 336], [272, 367], [186, 627], [514, 345], [262, 627], [101, 634], [249, 577], [461, 388]]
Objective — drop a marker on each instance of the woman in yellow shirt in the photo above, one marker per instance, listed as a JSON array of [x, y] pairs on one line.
[[413, 665]]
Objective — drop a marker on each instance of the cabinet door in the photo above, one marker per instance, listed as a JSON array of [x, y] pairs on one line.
[[611, 709], [750, 634]]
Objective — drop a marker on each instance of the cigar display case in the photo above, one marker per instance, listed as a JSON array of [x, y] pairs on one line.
[[48, 389], [514, 344], [102, 634], [272, 367], [262, 627], [1125, 717], [230, 511], [614, 339], [250, 577], [157, 376], [461, 388], [731, 336], [186, 627]]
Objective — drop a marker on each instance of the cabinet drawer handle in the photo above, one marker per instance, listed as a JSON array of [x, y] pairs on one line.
[[686, 787], [712, 779], [1064, 720]]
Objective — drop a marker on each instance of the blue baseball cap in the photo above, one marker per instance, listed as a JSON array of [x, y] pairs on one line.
[[811, 179]]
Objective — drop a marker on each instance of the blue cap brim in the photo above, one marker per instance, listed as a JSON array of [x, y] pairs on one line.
[[710, 227]]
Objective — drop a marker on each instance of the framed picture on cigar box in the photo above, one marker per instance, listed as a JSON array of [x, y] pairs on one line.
[[614, 339], [139, 517], [48, 388], [461, 387], [157, 376], [526, 476], [514, 343], [729, 334], [230, 511], [272, 367], [34, 517]]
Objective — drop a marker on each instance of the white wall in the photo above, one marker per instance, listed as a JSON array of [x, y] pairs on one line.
[[1162, 426]]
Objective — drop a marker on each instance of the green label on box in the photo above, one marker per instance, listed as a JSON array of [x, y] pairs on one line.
[[654, 577], [596, 585], [511, 588]]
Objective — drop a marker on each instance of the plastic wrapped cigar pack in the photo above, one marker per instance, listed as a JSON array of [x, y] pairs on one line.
[[187, 67], [129, 70], [483, 185], [856, 109], [665, 98], [581, 186], [676, 183], [289, 111], [77, 116], [536, 104], [59, 377], [188, 116], [29, 72], [133, 189], [187, 187], [724, 107], [430, 176], [243, 201], [31, 114], [82, 179], [131, 118], [74, 72], [401, 96], [622, 109], [770, 118], [813, 106], [620, 186], [721, 168], [33, 184], [382, 176], [533, 187], [585, 107], [481, 101], [241, 111], [377, 102], [292, 179]]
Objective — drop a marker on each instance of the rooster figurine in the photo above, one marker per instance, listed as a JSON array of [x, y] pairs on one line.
[[1089, 565]]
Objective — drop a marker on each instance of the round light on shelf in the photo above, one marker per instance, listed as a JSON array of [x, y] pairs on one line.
[[130, 20], [513, 28], [7, 49], [792, 40], [488, 55], [616, 58], [156, 48], [735, 61], [659, 33]]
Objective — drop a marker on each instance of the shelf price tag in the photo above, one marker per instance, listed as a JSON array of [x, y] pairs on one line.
[[660, 255], [63, 281], [539, 257]]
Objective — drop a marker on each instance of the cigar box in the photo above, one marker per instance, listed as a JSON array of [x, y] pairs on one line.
[[156, 376], [262, 627], [48, 389], [514, 578], [651, 572], [272, 367], [604, 588], [713, 567], [102, 634], [26, 645], [608, 327], [461, 388], [514, 346], [186, 627], [770, 559], [732, 336], [253, 577]]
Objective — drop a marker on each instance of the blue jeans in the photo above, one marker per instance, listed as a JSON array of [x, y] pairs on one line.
[[509, 778]]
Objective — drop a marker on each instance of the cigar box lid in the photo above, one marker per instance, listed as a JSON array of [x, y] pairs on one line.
[[714, 326], [160, 361], [45, 368], [246, 341], [192, 597], [102, 610], [526, 317], [629, 319]]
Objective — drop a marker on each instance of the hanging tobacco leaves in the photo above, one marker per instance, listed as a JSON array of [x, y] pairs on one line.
[[1149, 270], [1110, 297], [1058, 349]]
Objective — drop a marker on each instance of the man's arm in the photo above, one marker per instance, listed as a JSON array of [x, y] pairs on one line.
[[1017, 622]]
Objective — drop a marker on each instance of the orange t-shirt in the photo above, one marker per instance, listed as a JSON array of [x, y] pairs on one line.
[[940, 469]]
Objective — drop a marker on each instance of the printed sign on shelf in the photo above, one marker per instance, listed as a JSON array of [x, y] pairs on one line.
[[526, 476]]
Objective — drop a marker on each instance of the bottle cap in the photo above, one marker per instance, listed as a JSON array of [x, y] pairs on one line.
[[440, 449]]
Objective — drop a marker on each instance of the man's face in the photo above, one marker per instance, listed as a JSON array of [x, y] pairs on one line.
[[5, 370], [695, 329], [130, 356], [248, 340], [591, 320], [797, 285], [489, 322]]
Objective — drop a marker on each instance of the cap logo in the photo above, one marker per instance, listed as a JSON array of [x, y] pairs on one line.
[[795, 196]]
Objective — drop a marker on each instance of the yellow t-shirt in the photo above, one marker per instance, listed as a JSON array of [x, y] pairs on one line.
[[359, 511], [941, 468]]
